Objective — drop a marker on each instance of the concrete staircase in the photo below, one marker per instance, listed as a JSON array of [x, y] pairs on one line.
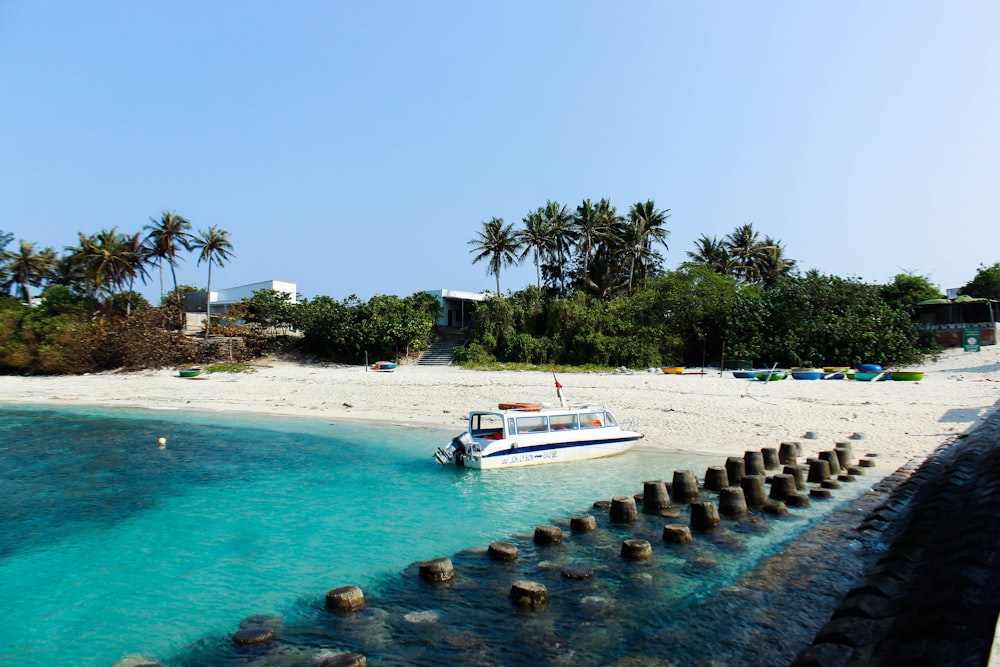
[[442, 349]]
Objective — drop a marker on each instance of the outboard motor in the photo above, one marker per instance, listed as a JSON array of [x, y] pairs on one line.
[[459, 445]]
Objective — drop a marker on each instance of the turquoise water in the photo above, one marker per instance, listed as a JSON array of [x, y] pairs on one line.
[[112, 546]]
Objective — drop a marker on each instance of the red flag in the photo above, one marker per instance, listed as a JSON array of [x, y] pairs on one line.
[[558, 386]]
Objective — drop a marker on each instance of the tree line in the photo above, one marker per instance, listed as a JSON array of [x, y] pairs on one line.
[[601, 253], [602, 297], [89, 318], [108, 263], [697, 315]]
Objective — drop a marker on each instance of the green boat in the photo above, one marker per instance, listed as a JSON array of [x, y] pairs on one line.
[[771, 376], [189, 372], [907, 376]]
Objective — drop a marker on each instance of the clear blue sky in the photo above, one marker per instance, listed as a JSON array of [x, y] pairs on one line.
[[356, 147]]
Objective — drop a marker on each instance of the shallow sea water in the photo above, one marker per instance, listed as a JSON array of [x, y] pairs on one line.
[[111, 546]]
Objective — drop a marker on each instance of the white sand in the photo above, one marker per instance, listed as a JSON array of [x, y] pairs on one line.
[[700, 413]]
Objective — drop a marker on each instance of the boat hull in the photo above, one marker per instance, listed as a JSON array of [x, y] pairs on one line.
[[529, 455]]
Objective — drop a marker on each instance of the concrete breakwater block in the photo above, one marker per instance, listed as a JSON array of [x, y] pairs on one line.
[[578, 573], [623, 509], [528, 594], [716, 478], [548, 536], [255, 635], [685, 486], [782, 486], [704, 516], [831, 458], [344, 660], [789, 452], [437, 570], [770, 456], [637, 550], [819, 471], [655, 497], [345, 598], [797, 500], [732, 502], [676, 534], [502, 551], [753, 490], [797, 471], [583, 524], [753, 459], [735, 469]]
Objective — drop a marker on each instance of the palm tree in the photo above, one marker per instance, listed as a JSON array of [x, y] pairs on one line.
[[137, 253], [773, 265], [29, 268], [215, 248], [111, 260], [535, 237], [560, 224], [497, 243], [5, 255], [594, 225], [745, 248], [712, 252], [166, 237], [649, 225]]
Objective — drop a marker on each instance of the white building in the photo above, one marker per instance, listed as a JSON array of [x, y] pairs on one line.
[[233, 295], [194, 306], [457, 306]]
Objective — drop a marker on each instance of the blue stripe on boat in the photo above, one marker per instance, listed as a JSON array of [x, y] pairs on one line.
[[558, 445]]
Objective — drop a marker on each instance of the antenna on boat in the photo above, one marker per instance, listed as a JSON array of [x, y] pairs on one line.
[[562, 401]]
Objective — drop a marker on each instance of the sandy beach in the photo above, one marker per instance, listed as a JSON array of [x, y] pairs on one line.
[[704, 413]]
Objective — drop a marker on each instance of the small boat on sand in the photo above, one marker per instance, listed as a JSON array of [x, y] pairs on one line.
[[384, 366], [189, 372], [771, 375], [872, 377], [523, 434]]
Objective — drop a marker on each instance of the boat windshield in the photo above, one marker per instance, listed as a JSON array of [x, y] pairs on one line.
[[485, 425]]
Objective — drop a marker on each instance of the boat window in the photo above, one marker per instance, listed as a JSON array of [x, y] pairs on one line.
[[564, 422], [610, 419], [592, 419], [532, 425], [482, 424], [512, 426]]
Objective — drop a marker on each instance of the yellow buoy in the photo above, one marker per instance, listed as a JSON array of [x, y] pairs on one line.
[[162, 442]]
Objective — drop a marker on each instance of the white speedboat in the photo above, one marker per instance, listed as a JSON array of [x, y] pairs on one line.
[[525, 434]]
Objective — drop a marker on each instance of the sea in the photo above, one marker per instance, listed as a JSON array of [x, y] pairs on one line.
[[116, 549]]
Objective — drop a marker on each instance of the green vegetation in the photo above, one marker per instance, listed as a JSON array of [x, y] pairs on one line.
[[602, 299], [349, 331], [242, 367], [694, 316], [594, 250], [986, 284]]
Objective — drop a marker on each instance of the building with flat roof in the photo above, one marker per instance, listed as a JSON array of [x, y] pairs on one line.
[[457, 306]]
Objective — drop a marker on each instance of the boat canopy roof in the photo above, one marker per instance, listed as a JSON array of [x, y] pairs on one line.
[[515, 409]]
